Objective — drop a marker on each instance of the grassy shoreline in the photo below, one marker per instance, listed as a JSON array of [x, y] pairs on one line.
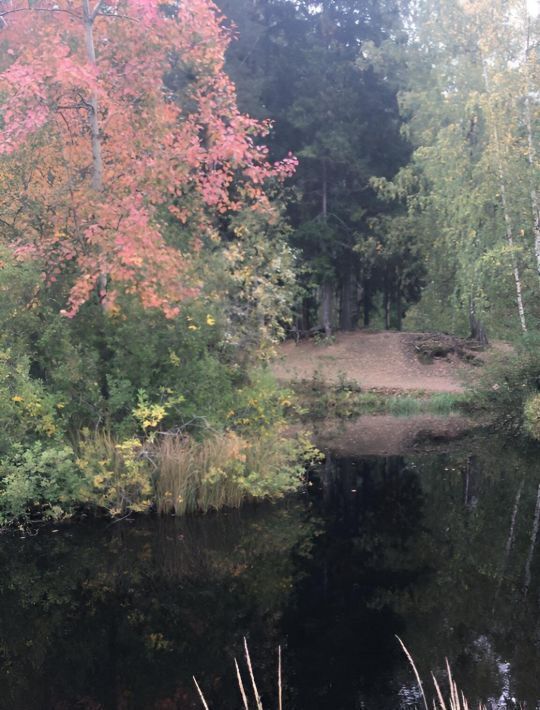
[[346, 400]]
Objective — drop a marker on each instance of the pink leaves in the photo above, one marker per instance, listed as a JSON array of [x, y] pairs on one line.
[[197, 164]]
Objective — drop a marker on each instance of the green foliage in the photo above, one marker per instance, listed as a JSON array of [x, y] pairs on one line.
[[531, 416], [509, 388], [467, 187], [39, 480], [127, 376], [28, 412], [260, 404], [118, 476]]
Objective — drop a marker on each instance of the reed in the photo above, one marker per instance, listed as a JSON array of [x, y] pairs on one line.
[[223, 470], [455, 700], [198, 475], [257, 702]]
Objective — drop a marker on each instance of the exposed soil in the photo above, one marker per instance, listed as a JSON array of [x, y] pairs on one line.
[[385, 360]]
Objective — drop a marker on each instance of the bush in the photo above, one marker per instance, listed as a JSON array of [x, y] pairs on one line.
[[118, 476], [260, 404], [27, 412], [509, 387], [531, 416], [39, 481]]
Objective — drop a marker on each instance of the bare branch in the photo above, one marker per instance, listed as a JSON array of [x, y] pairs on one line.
[[39, 9], [116, 15]]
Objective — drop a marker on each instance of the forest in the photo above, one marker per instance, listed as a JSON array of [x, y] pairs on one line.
[[244, 245], [185, 185]]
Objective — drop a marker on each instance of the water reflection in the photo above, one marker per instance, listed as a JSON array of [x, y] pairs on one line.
[[440, 549]]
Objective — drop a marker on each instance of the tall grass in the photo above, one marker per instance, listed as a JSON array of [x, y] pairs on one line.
[[175, 473], [198, 475], [444, 403], [223, 470]]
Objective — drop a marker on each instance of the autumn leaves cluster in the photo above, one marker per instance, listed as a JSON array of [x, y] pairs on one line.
[[123, 150]]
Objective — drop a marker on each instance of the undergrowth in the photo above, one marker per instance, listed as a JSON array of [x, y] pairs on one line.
[[346, 400], [149, 463], [509, 390]]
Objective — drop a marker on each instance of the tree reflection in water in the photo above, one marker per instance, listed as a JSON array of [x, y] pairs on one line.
[[438, 548]]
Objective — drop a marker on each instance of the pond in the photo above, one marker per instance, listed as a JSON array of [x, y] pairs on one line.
[[438, 548]]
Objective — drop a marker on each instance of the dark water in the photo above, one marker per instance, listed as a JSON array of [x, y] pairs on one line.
[[439, 549]]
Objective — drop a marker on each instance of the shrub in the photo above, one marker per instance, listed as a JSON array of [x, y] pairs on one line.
[[39, 481], [531, 416], [260, 404], [27, 411], [118, 475], [508, 384]]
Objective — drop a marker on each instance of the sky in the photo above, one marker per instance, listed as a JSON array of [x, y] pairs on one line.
[[533, 6]]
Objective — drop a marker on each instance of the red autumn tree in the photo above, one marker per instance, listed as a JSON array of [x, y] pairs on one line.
[[116, 117]]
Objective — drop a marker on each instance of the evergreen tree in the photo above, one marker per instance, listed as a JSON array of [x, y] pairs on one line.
[[342, 122]]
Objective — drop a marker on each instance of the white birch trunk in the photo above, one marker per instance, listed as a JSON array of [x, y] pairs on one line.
[[504, 202], [531, 152]]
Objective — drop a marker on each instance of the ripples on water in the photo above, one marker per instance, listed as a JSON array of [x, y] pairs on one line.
[[437, 548]]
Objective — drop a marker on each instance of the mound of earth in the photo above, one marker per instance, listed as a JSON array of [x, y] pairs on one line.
[[432, 346], [378, 361]]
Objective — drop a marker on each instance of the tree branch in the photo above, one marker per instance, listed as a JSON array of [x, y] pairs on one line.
[[39, 9], [117, 16], [96, 10]]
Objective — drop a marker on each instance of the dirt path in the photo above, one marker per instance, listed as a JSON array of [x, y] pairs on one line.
[[375, 360]]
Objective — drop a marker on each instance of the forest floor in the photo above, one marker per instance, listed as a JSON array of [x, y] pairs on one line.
[[379, 361]]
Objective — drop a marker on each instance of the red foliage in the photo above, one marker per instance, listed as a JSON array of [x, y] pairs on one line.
[[188, 150]]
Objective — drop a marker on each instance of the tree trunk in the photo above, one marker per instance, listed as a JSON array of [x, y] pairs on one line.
[[386, 300], [93, 120], [347, 301], [504, 202], [327, 296], [477, 329], [534, 535], [399, 306], [306, 315], [324, 192], [366, 304], [327, 289], [93, 117], [509, 542], [531, 151]]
